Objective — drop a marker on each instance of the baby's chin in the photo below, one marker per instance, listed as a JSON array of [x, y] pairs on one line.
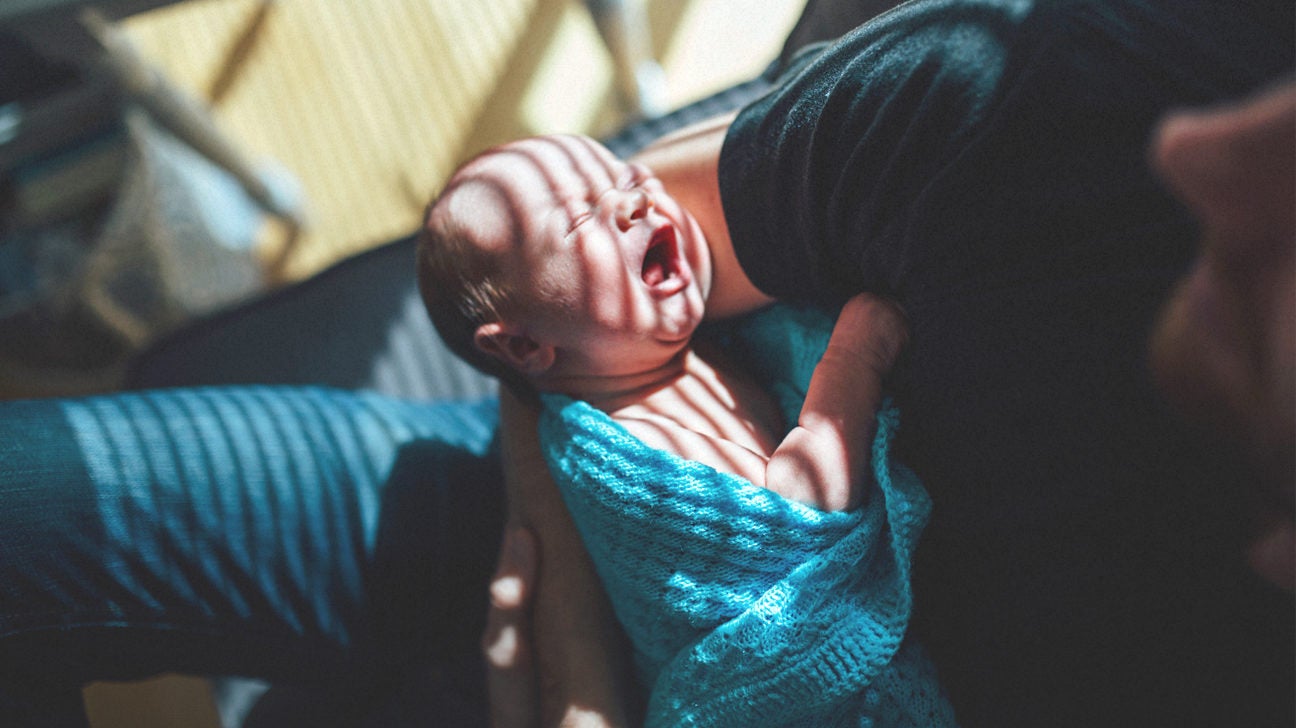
[[682, 314], [1272, 554]]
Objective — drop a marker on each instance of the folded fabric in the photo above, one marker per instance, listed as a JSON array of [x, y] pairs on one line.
[[745, 608]]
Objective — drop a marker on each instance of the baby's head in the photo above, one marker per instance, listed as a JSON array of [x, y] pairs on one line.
[[548, 261]]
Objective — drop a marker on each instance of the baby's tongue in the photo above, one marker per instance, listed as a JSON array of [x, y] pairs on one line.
[[653, 274], [654, 268]]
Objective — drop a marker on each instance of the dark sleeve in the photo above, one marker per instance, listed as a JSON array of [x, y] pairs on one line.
[[819, 175], [960, 145]]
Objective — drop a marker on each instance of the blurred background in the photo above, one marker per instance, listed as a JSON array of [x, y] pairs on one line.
[[164, 159], [160, 160], [370, 104]]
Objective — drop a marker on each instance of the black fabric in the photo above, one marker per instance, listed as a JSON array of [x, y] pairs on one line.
[[985, 163]]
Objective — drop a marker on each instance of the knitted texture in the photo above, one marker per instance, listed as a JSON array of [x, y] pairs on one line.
[[745, 608]]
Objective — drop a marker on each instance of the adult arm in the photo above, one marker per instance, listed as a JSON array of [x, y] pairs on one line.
[[687, 163]]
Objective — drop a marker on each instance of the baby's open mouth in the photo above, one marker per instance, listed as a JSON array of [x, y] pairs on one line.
[[661, 265]]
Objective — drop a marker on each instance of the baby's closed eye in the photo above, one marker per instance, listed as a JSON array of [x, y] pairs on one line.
[[579, 217]]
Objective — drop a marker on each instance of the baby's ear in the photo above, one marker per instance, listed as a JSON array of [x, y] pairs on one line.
[[512, 346]]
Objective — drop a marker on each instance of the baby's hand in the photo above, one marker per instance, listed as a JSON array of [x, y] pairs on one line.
[[824, 461]]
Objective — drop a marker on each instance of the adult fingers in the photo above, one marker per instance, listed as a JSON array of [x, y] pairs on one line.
[[506, 643]]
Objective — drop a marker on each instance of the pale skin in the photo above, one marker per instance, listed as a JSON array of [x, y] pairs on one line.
[[604, 319]]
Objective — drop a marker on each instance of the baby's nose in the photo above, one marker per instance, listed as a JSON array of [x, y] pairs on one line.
[[631, 206]]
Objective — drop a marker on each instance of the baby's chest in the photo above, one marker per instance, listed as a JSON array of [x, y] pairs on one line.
[[723, 443], [701, 409]]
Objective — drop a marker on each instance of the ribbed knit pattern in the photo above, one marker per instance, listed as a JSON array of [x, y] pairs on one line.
[[744, 608]]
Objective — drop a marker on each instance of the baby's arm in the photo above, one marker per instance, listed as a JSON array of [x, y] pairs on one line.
[[824, 460]]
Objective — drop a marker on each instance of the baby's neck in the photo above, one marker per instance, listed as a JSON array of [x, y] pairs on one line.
[[707, 396], [696, 372], [614, 393], [697, 388]]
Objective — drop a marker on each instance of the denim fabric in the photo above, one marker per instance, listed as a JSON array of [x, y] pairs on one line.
[[298, 534]]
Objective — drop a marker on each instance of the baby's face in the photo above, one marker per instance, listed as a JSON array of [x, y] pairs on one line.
[[608, 267]]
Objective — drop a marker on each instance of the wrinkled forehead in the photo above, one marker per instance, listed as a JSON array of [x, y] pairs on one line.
[[547, 170], [560, 159], [508, 192]]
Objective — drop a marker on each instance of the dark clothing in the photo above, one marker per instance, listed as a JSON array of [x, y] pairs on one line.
[[985, 163]]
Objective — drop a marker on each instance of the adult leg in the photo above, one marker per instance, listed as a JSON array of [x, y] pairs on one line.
[[304, 535]]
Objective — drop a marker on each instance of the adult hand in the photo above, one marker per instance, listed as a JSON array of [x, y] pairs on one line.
[[555, 653], [507, 642]]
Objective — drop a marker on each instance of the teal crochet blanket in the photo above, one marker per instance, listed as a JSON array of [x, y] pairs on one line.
[[744, 608]]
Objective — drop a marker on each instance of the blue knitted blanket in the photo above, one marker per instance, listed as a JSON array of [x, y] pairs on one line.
[[744, 608]]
